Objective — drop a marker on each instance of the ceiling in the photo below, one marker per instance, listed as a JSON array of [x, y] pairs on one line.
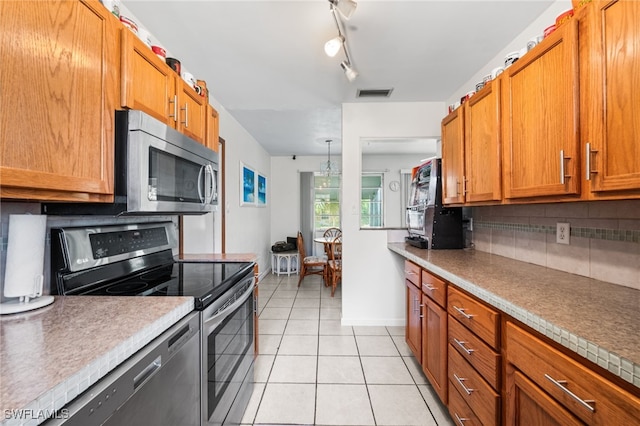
[[264, 61]]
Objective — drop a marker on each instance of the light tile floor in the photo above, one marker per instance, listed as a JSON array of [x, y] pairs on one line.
[[312, 370]]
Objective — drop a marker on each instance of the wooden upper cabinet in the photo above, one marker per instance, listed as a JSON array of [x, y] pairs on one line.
[[212, 140], [59, 91], [483, 178], [192, 112], [453, 157], [541, 155], [150, 85], [610, 78]]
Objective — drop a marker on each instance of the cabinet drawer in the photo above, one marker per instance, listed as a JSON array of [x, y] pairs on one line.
[[412, 272], [588, 395], [474, 315], [477, 353], [477, 393], [460, 412], [434, 288]]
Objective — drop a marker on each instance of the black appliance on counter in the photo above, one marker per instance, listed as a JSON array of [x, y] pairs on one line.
[[138, 260], [430, 224]]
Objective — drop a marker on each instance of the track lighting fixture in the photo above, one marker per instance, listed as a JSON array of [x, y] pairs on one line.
[[332, 47], [345, 7], [349, 71]]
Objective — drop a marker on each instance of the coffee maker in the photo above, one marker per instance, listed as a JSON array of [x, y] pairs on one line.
[[430, 224]]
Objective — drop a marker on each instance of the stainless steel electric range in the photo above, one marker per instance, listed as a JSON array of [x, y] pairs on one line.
[[138, 260]]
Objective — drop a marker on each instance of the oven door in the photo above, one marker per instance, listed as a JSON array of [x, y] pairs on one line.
[[169, 177], [227, 355]]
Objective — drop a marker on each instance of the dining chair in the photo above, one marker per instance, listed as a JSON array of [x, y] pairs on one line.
[[334, 264], [311, 265], [330, 234]]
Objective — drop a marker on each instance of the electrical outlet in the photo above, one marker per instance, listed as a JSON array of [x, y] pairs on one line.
[[563, 233]]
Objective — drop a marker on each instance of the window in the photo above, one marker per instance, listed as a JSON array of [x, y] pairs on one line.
[[326, 202], [371, 201]]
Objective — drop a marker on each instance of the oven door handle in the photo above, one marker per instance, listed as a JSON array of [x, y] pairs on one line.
[[210, 324]]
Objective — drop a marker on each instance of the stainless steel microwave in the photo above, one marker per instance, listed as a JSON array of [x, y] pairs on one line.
[[158, 170]]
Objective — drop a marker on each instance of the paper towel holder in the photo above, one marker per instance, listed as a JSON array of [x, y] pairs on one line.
[[23, 285]]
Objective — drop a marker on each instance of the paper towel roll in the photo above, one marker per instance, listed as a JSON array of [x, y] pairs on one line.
[[25, 255]]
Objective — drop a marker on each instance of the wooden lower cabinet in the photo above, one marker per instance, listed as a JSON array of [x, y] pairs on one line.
[[528, 405], [553, 381], [460, 412], [413, 331], [434, 346]]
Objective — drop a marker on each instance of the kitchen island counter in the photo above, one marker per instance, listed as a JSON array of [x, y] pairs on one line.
[[597, 320], [51, 355]]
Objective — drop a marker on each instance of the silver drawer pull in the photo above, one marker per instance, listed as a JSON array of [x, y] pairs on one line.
[[460, 420], [460, 380], [429, 287], [464, 348], [410, 273], [586, 403], [463, 313]]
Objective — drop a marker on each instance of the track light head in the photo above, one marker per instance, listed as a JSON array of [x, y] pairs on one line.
[[345, 7], [332, 47], [349, 71]]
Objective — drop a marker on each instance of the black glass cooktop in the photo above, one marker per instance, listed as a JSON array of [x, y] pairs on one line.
[[204, 281]]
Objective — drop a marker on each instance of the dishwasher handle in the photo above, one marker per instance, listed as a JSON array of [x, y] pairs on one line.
[[147, 373], [210, 324]]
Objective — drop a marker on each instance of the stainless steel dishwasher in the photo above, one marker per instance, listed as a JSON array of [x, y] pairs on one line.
[[159, 385]]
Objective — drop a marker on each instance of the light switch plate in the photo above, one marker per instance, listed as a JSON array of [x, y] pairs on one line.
[[563, 233]]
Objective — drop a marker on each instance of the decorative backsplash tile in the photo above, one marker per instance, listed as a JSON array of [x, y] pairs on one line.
[[593, 233]]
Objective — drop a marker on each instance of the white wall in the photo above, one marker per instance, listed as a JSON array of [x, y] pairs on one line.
[[372, 280], [548, 17]]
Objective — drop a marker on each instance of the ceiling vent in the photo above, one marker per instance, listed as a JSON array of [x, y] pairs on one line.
[[374, 93]]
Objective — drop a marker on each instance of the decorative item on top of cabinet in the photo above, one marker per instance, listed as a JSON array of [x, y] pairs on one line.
[[434, 333], [482, 155], [540, 119], [610, 98], [453, 183], [150, 85], [544, 386], [58, 96], [413, 331]]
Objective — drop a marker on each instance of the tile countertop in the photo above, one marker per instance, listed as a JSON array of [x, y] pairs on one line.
[[50, 355], [595, 319]]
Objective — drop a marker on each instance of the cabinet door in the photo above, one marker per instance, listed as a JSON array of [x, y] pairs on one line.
[[453, 157], [540, 121], [192, 110], [482, 145], [58, 94], [434, 346], [413, 334], [148, 83], [611, 125], [528, 405], [212, 140]]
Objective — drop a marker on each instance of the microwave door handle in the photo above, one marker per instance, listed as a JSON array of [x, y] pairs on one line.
[[214, 184], [202, 200], [211, 184]]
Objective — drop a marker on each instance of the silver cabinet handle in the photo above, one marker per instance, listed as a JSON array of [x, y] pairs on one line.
[[464, 185], [429, 287], [563, 176], [464, 348], [463, 313], [175, 108], [186, 114], [410, 272], [460, 381], [588, 153], [460, 420], [586, 403]]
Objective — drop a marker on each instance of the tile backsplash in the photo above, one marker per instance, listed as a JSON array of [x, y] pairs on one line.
[[604, 238], [9, 208]]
